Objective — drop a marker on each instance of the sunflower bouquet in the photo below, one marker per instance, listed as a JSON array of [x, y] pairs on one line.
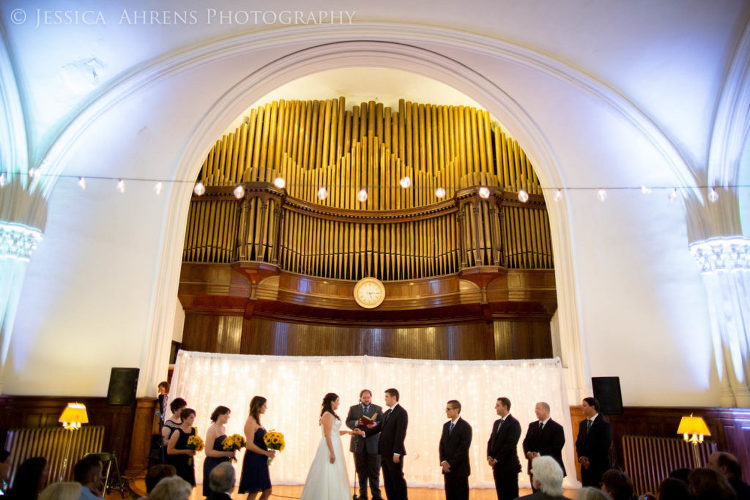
[[233, 443], [274, 441], [194, 443]]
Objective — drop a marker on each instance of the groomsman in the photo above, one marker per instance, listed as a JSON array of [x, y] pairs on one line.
[[501, 451], [592, 445], [392, 431], [454, 453], [365, 450], [544, 437]]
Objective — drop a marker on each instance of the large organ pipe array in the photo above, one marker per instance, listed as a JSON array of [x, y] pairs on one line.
[[396, 233]]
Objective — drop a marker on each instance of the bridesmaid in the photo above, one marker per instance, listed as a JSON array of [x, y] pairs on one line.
[[255, 478], [182, 457], [215, 453]]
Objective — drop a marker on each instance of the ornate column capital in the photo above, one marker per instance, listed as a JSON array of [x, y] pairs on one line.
[[18, 241], [725, 253]]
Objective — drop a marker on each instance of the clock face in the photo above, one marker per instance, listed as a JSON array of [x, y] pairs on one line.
[[369, 293]]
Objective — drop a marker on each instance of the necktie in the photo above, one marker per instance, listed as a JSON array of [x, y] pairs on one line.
[[387, 416], [541, 425], [366, 409], [450, 429], [588, 426]]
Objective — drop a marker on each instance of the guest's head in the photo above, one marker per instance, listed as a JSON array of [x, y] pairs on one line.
[[673, 489], [365, 396], [707, 484], [452, 409], [30, 478], [4, 465], [187, 416], [176, 405], [171, 488], [541, 410], [257, 406], [681, 474], [221, 479], [589, 493], [590, 407], [88, 472], [546, 475], [725, 463], [617, 484], [391, 397], [156, 473], [330, 403], [61, 491], [220, 414], [163, 387], [502, 406]]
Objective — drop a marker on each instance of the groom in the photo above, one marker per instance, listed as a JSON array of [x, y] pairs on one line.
[[391, 445], [366, 457]]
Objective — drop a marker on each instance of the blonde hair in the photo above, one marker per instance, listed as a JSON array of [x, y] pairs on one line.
[[61, 491]]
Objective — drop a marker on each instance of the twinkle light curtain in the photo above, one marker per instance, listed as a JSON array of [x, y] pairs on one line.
[[295, 386]]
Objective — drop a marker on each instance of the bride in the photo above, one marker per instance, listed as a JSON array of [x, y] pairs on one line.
[[327, 479]]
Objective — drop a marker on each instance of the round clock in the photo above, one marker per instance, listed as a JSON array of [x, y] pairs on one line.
[[369, 293]]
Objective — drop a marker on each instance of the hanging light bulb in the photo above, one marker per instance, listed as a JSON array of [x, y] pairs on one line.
[[199, 189], [440, 192], [362, 195], [484, 192], [713, 196], [323, 193], [239, 192], [523, 196], [558, 194], [601, 194], [2, 179], [673, 194], [405, 182], [158, 187], [645, 190], [82, 182], [279, 182], [121, 185]]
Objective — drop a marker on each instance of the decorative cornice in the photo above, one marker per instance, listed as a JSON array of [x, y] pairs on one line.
[[18, 241], [722, 254]]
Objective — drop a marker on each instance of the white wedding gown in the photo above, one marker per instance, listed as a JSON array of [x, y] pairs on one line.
[[326, 480]]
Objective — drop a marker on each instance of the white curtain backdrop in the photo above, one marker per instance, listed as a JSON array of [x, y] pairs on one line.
[[295, 386]]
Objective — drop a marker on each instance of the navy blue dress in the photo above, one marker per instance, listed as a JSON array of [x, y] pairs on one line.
[[184, 464], [255, 475], [210, 462]]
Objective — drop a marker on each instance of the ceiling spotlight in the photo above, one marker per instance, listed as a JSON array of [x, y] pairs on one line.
[[323, 193], [713, 196], [440, 192], [405, 182], [645, 190], [673, 194], [199, 189], [82, 182], [558, 195], [484, 192], [362, 195], [523, 196], [121, 186], [601, 194], [239, 192], [279, 182], [158, 187]]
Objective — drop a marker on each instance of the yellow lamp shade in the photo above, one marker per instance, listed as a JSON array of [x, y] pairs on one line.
[[74, 415], [693, 425]]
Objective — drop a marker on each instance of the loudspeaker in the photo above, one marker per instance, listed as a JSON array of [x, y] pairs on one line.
[[607, 391], [123, 383]]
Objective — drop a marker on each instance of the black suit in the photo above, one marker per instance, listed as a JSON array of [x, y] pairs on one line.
[[502, 447], [546, 441], [392, 434], [454, 449], [594, 444], [365, 450], [219, 496]]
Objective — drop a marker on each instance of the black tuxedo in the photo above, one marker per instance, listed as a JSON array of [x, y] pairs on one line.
[[502, 446], [392, 431], [365, 450], [454, 449], [547, 441], [594, 444]]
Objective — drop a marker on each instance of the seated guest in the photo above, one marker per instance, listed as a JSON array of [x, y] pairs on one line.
[[155, 474], [30, 479], [727, 465], [221, 481], [617, 484], [547, 478], [681, 474], [4, 471], [589, 493], [707, 484], [673, 489], [61, 491], [171, 488], [88, 472]]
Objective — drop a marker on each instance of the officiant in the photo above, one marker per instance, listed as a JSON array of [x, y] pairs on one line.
[[365, 450]]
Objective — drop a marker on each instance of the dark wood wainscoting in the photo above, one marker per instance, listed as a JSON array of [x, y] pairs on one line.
[[730, 427]]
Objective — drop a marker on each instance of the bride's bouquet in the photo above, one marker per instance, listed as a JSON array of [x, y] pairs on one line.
[[194, 443], [274, 441], [233, 443]]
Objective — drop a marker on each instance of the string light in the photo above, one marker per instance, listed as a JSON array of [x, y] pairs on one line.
[[199, 189], [121, 186], [673, 194], [601, 194], [713, 196], [322, 193], [32, 173], [158, 187], [558, 194], [440, 192], [362, 195], [523, 196], [484, 192], [645, 190], [279, 182], [82, 182], [239, 192], [2, 179], [405, 182]]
